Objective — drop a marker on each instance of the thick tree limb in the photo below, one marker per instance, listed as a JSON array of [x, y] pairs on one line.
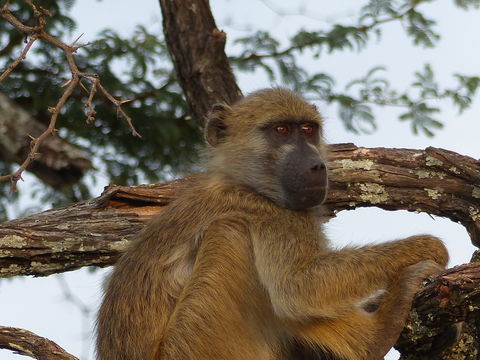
[[26, 343], [447, 305], [435, 181], [196, 47], [59, 162]]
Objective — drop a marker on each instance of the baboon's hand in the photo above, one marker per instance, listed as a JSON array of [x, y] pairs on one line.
[[417, 273], [409, 284]]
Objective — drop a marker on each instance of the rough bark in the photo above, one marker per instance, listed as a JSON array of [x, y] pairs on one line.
[[196, 47], [94, 232], [446, 310], [59, 162], [26, 343]]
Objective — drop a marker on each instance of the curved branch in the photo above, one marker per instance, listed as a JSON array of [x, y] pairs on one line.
[[26, 343], [323, 37], [434, 181]]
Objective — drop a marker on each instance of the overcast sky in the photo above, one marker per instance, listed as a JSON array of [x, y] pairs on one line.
[[38, 304]]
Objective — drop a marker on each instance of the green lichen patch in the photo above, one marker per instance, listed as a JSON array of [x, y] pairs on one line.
[[21, 349], [474, 213], [13, 241], [373, 193], [119, 245], [454, 170], [428, 174], [357, 164], [476, 192], [431, 161], [433, 193], [11, 269]]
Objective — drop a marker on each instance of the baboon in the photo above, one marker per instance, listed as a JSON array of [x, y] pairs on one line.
[[237, 267]]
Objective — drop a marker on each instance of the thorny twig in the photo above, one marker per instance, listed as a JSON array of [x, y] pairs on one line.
[[37, 32], [22, 57]]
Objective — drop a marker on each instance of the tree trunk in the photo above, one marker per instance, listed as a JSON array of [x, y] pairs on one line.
[[196, 47]]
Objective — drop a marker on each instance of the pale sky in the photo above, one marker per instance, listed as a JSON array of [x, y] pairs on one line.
[[38, 304]]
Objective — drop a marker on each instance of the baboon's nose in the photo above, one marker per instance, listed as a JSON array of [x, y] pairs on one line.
[[318, 167]]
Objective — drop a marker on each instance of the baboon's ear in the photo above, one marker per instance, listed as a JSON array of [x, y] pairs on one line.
[[215, 128]]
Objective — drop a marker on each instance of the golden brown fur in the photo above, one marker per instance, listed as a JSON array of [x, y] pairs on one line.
[[230, 271]]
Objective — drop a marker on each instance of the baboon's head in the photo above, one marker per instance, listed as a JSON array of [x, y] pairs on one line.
[[272, 142]]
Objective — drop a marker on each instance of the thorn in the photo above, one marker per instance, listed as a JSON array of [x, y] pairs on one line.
[[121, 102], [66, 83], [52, 110], [45, 11], [75, 41], [84, 88], [135, 133]]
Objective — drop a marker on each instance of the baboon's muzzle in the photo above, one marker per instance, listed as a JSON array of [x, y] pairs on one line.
[[303, 175]]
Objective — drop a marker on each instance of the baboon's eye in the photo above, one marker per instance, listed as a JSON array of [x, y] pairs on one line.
[[307, 129], [282, 129]]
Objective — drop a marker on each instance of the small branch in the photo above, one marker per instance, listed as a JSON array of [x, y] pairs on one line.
[[89, 104], [36, 142], [312, 42], [118, 104], [26, 343], [22, 57], [61, 163]]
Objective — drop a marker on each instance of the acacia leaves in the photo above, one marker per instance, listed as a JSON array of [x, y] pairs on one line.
[[356, 102]]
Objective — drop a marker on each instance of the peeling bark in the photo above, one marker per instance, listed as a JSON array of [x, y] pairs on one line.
[[59, 162]]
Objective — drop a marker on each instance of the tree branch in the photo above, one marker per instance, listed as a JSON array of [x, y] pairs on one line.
[[322, 37], [26, 343], [445, 311], [94, 232]]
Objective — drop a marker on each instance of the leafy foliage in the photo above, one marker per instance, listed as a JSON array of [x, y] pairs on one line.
[[136, 68], [357, 101]]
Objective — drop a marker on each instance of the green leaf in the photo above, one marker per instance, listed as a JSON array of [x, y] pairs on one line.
[[466, 4], [421, 29]]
